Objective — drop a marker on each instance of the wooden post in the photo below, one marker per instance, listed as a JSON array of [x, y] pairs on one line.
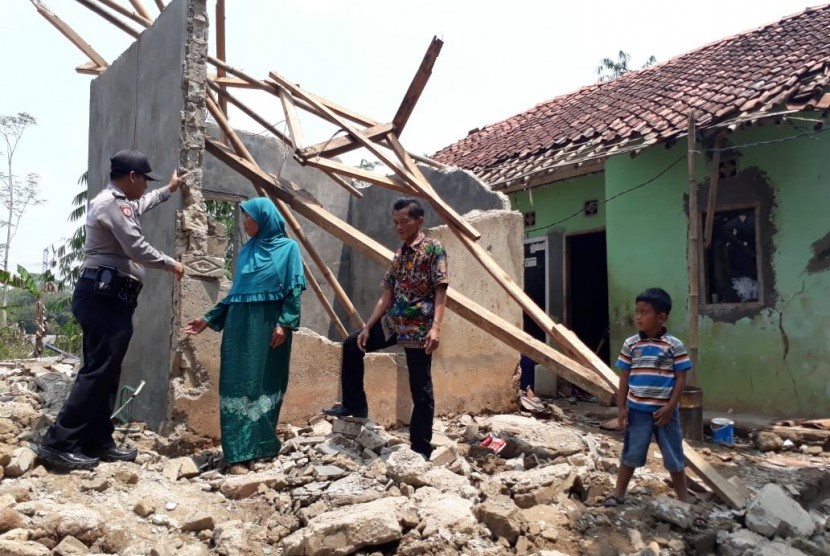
[[693, 253], [292, 222], [220, 50], [712, 201]]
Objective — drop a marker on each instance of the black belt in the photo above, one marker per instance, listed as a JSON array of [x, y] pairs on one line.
[[125, 283]]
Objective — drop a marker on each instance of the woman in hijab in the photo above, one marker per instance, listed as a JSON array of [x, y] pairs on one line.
[[258, 315]]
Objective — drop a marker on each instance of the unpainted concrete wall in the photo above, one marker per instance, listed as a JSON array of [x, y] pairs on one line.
[[138, 103]]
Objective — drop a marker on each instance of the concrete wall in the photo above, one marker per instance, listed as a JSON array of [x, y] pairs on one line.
[[137, 103]]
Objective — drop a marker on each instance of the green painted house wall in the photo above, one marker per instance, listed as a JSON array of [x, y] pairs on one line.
[[771, 357]]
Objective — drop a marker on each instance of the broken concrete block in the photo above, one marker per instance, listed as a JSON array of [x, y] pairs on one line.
[[198, 521], [371, 440], [21, 548], [22, 460], [70, 546], [672, 511], [773, 513], [406, 466], [242, 486], [768, 441], [442, 456], [347, 427], [502, 517]]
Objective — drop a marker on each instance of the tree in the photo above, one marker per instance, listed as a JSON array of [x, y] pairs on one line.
[[609, 69], [45, 283], [69, 257], [16, 197]]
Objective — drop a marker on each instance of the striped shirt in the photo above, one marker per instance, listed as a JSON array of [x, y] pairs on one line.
[[653, 363]]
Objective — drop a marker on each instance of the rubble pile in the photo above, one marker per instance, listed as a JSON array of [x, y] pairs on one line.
[[350, 486]]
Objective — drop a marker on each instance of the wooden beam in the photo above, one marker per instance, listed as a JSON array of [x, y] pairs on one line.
[[235, 82], [327, 166], [340, 145], [321, 296], [91, 68], [466, 308], [109, 17], [142, 11], [712, 201], [565, 338], [160, 5], [292, 222], [693, 250], [292, 119], [723, 488], [354, 192], [419, 81], [70, 34], [447, 212], [220, 46], [115, 6], [223, 93]]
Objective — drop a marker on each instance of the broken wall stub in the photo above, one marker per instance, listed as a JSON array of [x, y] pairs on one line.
[[148, 100]]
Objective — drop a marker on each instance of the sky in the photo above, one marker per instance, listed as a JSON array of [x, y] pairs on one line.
[[498, 59]]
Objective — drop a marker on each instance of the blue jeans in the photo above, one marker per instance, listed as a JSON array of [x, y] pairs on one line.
[[638, 434]]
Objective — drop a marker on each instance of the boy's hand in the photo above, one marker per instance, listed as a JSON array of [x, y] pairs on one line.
[[663, 416], [622, 418]]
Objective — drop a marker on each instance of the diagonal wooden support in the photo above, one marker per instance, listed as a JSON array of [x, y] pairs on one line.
[[109, 17], [340, 145], [70, 34], [321, 296], [417, 86], [293, 121], [240, 148], [137, 17], [339, 168], [223, 93], [447, 212], [160, 4], [463, 306], [142, 11], [344, 184]]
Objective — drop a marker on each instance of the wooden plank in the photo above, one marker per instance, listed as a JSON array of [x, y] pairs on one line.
[[340, 145], [220, 46], [714, 480], [292, 222], [141, 20], [235, 82], [344, 184], [293, 121], [447, 212], [70, 34], [321, 297], [416, 87], [360, 174], [247, 110], [142, 11], [90, 68], [468, 309], [712, 200], [160, 4], [109, 17]]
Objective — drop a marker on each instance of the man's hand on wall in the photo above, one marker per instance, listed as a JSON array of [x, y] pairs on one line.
[[176, 180]]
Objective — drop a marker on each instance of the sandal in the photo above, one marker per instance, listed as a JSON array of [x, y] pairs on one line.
[[613, 501]]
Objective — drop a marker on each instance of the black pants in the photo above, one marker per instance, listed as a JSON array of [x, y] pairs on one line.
[[84, 423], [419, 365]]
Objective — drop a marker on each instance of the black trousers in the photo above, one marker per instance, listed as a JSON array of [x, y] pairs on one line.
[[84, 423], [419, 365]]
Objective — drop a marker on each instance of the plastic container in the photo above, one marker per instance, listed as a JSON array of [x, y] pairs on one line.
[[723, 431]]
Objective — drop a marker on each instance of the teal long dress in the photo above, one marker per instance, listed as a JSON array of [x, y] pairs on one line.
[[253, 377]]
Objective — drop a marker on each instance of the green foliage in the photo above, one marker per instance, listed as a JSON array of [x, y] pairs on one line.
[[68, 258], [225, 213], [13, 344], [609, 69], [69, 336]]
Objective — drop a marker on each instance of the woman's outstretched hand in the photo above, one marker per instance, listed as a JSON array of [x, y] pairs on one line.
[[278, 337], [196, 326]]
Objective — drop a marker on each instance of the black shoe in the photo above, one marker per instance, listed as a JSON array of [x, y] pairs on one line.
[[114, 453], [67, 460], [341, 410]]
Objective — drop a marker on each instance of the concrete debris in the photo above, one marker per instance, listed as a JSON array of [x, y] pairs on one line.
[[348, 485]]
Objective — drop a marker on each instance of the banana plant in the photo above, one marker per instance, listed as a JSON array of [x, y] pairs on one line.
[[46, 283]]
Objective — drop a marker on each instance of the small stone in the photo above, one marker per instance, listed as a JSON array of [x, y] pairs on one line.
[[160, 519], [99, 484], [126, 476], [768, 441], [70, 546], [19, 548], [11, 519], [170, 506], [198, 521], [443, 456], [22, 460], [145, 506]]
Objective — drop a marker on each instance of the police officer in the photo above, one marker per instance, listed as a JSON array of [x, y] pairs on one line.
[[115, 254]]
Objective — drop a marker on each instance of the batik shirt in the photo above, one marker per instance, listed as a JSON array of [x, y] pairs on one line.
[[415, 272], [653, 364]]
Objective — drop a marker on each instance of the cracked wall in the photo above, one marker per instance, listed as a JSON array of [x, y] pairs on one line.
[[770, 357]]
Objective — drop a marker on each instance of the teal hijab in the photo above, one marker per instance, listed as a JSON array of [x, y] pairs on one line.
[[268, 267]]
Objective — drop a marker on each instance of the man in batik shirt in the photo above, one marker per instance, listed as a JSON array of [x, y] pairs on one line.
[[409, 314]]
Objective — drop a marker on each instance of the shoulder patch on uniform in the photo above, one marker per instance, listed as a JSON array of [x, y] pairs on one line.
[[126, 210]]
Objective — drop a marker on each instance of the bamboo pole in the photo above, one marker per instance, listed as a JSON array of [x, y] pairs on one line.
[[223, 93], [138, 18], [109, 17], [220, 49], [712, 201], [694, 253], [327, 165], [160, 5], [341, 295], [70, 34], [315, 286], [142, 11]]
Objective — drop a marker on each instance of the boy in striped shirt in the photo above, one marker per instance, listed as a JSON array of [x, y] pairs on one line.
[[653, 366]]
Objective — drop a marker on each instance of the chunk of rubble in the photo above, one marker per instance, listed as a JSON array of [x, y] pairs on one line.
[[501, 515], [530, 436], [442, 511], [406, 466], [672, 511], [773, 513]]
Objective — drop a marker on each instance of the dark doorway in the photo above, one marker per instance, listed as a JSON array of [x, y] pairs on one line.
[[535, 283], [588, 291]]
